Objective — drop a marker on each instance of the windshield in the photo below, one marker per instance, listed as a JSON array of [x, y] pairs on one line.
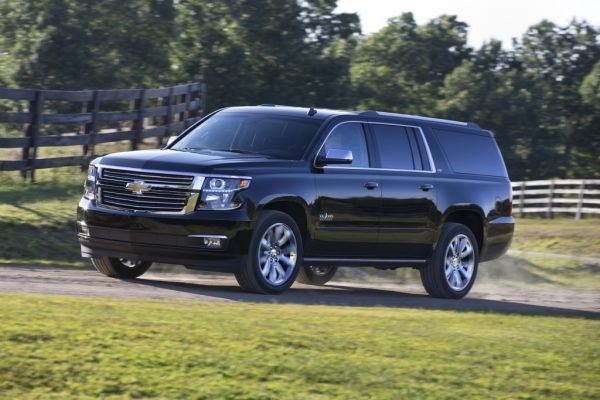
[[272, 136]]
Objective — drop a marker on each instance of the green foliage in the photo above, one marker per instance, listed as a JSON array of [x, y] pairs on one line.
[[401, 67], [70, 44], [541, 97], [103, 348], [265, 51]]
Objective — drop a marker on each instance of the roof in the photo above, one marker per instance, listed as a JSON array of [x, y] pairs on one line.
[[324, 113]]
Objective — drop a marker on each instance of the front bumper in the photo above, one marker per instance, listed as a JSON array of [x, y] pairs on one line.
[[172, 239]]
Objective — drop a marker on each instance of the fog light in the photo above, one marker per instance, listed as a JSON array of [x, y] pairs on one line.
[[212, 243]]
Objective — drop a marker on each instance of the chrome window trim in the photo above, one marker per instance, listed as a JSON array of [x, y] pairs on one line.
[[429, 156], [194, 189]]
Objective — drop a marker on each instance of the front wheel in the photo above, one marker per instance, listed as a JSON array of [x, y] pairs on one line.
[[274, 256], [453, 267], [120, 267], [310, 275]]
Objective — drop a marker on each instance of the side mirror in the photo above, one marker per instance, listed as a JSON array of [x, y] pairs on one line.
[[171, 139], [335, 156]]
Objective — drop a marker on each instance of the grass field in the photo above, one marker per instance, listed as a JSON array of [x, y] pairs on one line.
[[62, 347]]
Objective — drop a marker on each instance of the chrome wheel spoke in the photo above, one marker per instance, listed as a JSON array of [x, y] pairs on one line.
[[467, 250], [266, 269], [287, 261], [264, 243], [465, 272]]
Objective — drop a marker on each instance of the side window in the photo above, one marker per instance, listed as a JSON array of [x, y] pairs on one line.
[[349, 137], [394, 147], [470, 153]]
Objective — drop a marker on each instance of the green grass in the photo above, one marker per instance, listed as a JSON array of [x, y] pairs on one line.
[[37, 221], [93, 348], [560, 235]]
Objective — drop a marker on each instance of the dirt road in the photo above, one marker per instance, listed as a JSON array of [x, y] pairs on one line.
[[218, 288]]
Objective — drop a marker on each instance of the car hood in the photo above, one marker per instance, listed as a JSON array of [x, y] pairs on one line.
[[183, 161]]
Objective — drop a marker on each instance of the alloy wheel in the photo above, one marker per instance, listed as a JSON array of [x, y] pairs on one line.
[[459, 262], [277, 254]]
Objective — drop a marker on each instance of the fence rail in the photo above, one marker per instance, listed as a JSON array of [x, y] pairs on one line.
[[174, 109], [572, 196]]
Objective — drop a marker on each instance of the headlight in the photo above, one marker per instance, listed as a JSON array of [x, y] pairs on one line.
[[219, 193], [89, 186]]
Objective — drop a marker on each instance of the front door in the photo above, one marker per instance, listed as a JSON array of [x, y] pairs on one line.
[[348, 199]]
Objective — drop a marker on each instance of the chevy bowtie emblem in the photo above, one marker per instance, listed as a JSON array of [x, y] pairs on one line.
[[138, 187]]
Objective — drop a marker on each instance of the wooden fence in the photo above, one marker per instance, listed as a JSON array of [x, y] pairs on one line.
[[150, 113], [571, 196]]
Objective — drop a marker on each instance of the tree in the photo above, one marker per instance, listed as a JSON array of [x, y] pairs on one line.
[[561, 57], [70, 44], [401, 67], [265, 51]]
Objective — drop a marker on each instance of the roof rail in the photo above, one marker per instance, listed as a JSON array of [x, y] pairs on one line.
[[429, 119]]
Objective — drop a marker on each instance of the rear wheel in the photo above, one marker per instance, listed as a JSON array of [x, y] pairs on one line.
[[310, 275], [120, 267], [274, 256], [453, 267]]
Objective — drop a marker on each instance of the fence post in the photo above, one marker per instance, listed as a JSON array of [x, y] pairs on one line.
[[140, 105], [187, 98], [36, 121], [91, 128], [169, 115], [522, 200], [550, 198], [580, 200]]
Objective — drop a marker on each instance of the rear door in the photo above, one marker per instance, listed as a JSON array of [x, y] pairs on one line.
[[408, 210], [348, 198]]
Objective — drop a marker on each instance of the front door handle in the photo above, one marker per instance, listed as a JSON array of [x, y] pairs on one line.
[[371, 185], [426, 187]]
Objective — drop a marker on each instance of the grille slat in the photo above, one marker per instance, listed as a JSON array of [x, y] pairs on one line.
[[173, 197], [110, 197], [183, 179], [155, 191], [147, 196]]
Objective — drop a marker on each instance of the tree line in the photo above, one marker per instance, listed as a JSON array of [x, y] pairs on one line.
[[540, 96]]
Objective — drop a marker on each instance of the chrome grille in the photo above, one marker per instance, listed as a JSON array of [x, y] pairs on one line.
[[162, 192]]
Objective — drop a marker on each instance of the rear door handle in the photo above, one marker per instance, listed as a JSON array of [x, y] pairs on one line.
[[426, 187], [371, 185]]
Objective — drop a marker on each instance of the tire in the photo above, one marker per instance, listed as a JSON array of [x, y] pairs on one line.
[[445, 277], [120, 267], [271, 252], [315, 275]]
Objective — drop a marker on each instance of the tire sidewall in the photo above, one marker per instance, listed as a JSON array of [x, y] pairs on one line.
[[263, 223], [448, 234]]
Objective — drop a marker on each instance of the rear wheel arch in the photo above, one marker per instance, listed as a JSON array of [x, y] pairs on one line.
[[471, 218]]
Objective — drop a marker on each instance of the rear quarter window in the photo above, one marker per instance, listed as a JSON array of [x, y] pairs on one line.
[[471, 153]]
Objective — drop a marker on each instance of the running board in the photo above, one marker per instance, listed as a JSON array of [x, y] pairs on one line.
[[363, 262]]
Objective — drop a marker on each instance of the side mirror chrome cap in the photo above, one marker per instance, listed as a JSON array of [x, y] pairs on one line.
[[335, 156]]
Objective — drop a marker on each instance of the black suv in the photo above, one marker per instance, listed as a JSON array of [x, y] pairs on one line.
[[276, 194]]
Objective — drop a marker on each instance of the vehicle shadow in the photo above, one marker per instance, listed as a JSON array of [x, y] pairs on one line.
[[352, 296]]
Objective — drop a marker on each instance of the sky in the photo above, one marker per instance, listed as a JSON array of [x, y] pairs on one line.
[[499, 19]]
